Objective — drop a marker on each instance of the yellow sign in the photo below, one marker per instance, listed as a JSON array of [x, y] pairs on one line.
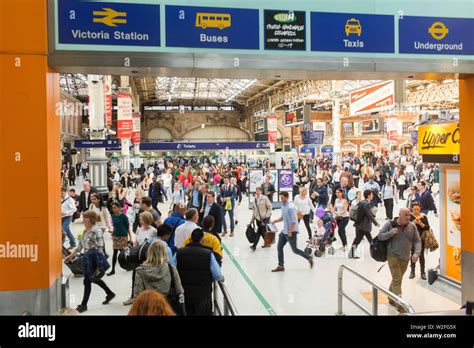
[[213, 20], [109, 17], [439, 139], [353, 27], [438, 30]]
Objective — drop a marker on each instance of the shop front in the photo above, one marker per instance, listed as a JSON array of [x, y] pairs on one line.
[[368, 149], [349, 148]]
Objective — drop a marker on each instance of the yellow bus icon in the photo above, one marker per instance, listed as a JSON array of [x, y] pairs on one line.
[[212, 20]]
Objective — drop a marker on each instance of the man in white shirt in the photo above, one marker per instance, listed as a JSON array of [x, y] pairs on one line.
[[68, 208], [184, 231]]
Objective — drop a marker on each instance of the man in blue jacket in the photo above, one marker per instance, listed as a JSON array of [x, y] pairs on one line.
[[228, 192], [425, 198], [176, 219]]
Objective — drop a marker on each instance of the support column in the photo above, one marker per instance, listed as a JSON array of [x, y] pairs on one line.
[[97, 160], [466, 116], [125, 163], [336, 131], [30, 152]]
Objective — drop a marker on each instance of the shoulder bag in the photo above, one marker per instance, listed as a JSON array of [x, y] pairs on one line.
[[176, 301]]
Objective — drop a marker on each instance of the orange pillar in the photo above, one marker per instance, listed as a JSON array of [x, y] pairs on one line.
[[30, 213], [466, 109]]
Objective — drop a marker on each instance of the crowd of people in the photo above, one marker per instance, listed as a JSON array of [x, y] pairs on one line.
[[184, 254]]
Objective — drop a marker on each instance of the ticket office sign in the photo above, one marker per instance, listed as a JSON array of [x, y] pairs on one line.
[[436, 35], [350, 32], [212, 27], [285, 30]]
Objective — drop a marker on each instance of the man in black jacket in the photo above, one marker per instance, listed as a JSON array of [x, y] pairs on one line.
[[155, 192], [213, 209], [198, 269], [268, 188], [85, 197], [319, 194], [363, 224]]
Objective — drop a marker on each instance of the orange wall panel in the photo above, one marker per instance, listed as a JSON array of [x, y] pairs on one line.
[[23, 26], [466, 116], [30, 208]]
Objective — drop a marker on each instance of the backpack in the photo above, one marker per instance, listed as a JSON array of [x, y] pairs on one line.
[[354, 213], [378, 248]]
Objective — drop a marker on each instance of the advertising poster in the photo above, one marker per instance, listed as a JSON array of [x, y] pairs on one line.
[[285, 30], [273, 178], [286, 180], [136, 129], [124, 116], [272, 127], [256, 179], [377, 97], [108, 101], [452, 204]]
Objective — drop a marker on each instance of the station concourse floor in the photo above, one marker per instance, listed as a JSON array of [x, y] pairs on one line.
[[255, 290]]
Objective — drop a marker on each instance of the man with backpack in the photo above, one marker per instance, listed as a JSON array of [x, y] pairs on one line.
[[401, 235], [363, 222]]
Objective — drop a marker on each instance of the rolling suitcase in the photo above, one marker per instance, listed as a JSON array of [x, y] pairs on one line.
[[76, 265]]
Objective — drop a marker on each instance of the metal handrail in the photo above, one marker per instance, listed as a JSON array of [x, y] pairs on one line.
[[229, 308], [375, 291]]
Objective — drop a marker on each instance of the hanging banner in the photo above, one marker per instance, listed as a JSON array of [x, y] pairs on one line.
[[136, 129], [373, 98], [392, 128], [124, 116], [272, 126], [108, 102]]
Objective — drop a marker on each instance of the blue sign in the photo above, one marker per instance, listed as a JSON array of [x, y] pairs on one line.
[[435, 35], [350, 32], [212, 27], [109, 144], [327, 149], [312, 137], [250, 145], [108, 23], [306, 150]]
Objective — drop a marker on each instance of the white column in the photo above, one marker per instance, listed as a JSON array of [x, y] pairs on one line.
[[336, 131], [125, 163], [97, 160]]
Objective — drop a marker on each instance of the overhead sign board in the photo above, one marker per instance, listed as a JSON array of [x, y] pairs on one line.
[[436, 35], [109, 144], [108, 23], [294, 117], [377, 97], [185, 146], [285, 30], [212, 27], [312, 137], [350, 32]]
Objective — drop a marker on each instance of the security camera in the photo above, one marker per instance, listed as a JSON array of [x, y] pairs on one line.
[[87, 130], [95, 78]]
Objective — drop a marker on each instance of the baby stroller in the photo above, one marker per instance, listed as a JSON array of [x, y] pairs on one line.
[[321, 241]]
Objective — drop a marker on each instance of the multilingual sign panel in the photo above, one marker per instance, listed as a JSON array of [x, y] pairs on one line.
[[350, 32], [212, 27], [435, 35], [312, 137], [108, 23], [285, 30]]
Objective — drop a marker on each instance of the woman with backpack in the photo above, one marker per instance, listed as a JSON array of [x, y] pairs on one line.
[[159, 275], [389, 193]]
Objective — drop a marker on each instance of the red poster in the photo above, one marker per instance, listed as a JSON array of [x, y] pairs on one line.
[[124, 129], [108, 109], [136, 129]]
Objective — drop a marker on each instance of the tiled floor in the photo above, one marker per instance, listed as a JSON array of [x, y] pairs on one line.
[[297, 291]]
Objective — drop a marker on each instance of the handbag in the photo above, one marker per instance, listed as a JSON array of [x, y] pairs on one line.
[[429, 240], [299, 215], [176, 301], [250, 232], [228, 205]]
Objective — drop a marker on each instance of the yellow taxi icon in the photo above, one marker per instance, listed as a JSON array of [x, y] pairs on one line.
[[353, 27], [438, 30]]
